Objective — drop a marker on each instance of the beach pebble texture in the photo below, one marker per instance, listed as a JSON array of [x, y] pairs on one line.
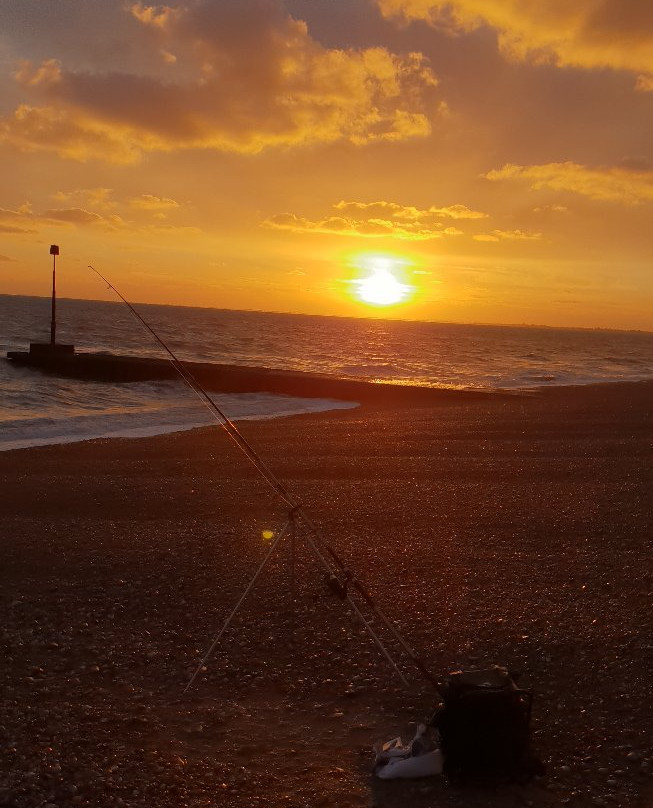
[[512, 530]]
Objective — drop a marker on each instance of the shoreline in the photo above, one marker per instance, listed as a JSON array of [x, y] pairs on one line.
[[406, 400]]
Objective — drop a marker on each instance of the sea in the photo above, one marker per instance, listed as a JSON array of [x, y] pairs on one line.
[[36, 409]]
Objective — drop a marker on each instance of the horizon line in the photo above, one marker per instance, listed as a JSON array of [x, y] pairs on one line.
[[347, 316]]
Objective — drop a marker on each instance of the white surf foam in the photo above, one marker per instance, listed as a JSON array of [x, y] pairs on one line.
[[23, 433]]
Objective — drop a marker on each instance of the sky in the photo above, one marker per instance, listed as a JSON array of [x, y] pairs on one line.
[[468, 161]]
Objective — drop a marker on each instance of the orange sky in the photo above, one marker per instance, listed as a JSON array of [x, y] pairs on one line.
[[255, 154]]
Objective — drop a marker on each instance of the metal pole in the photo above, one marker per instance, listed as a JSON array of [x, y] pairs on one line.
[[53, 322]]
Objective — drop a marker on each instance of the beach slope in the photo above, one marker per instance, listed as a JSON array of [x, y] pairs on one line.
[[512, 530]]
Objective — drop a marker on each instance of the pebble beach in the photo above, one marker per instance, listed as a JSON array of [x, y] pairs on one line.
[[506, 529]]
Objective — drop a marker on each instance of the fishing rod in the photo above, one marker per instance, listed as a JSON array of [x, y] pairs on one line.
[[229, 426], [296, 510]]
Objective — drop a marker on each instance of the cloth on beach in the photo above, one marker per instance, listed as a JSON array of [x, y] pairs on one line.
[[422, 757], [484, 725]]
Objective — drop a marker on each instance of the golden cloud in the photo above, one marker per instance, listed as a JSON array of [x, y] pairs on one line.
[[72, 215], [14, 221], [517, 235], [615, 34], [408, 212], [247, 77], [25, 216], [608, 184], [12, 229], [341, 226], [644, 83], [49, 72], [375, 219], [157, 16], [508, 235], [25, 220], [150, 202], [69, 133], [88, 197]]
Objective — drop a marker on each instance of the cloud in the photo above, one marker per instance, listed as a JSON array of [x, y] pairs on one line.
[[614, 34], [156, 16], [485, 237], [376, 219], [517, 235], [12, 229], [70, 133], [4, 258], [507, 235], [644, 83], [408, 212], [16, 221], [155, 203], [98, 198], [551, 209], [24, 220], [72, 215], [247, 76], [606, 184], [47, 73], [107, 216], [342, 226]]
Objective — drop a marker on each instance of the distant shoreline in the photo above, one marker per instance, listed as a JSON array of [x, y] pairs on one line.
[[461, 323]]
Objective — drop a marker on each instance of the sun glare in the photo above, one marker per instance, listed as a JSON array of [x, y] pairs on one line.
[[380, 287]]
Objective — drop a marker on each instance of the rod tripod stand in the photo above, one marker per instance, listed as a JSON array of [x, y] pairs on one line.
[[340, 586], [339, 577]]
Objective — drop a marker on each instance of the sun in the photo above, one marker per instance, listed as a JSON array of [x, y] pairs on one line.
[[381, 287]]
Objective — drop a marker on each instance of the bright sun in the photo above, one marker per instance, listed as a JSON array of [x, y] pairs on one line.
[[381, 287]]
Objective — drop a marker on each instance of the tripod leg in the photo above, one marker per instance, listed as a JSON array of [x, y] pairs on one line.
[[292, 580], [248, 589], [325, 566]]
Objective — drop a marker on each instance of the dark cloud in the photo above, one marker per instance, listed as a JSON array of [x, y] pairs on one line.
[[615, 34], [241, 77]]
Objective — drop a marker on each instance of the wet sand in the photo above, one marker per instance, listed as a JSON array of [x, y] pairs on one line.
[[513, 530]]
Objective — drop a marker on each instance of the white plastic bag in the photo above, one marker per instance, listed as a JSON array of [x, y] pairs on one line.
[[425, 765], [421, 758]]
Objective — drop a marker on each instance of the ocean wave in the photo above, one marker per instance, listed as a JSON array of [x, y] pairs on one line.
[[21, 433], [635, 361], [371, 371]]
